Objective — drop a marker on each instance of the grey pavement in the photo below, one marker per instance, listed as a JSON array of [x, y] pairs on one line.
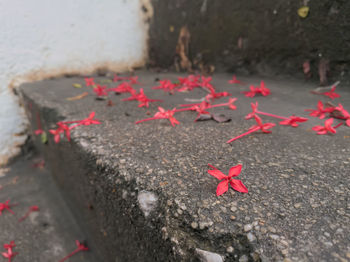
[[44, 236], [297, 208]]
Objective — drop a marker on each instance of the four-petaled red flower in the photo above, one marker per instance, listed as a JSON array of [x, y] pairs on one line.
[[320, 111], [9, 254], [223, 185], [331, 94], [293, 121], [258, 126], [6, 206], [142, 98], [62, 128], [189, 83], [166, 85], [327, 128], [213, 95], [262, 90], [124, 87], [234, 80], [89, 81], [80, 247], [254, 112], [100, 91], [162, 114]]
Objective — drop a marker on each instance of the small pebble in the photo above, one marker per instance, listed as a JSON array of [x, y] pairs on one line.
[[230, 249], [194, 225], [248, 227]]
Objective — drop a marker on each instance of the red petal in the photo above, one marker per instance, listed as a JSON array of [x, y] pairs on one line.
[[235, 171], [238, 186], [222, 187], [328, 122], [217, 173]]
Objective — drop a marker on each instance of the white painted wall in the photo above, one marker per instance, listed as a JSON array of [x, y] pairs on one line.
[[54, 36]]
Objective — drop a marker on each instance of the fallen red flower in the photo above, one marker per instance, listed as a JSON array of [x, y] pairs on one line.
[[223, 185], [9, 254], [259, 126], [326, 128], [6, 206], [124, 87], [214, 95], [234, 80], [100, 91], [80, 247], [62, 128], [230, 104], [142, 98], [320, 111], [262, 90], [293, 121], [162, 114], [254, 112], [166, 85], [89, 81], [31, 209], [87, 121], [331, 94], [189, 83]]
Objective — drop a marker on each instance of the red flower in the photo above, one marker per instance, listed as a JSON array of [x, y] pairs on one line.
[[327, 128], [234, 80], [259, 126], [80, 247], [320, 111], [257, 90], [223, 185], [162, 114], [62, 128], [293, 121], [189, 83], [254, 112], [124, 87], [100, 91], [89, 81], [31, 209], [214, 95], [206, 83], [331, 94], [6, 206], [134, 80], [142, 98], [230, 104], [166, 85], [9, 254]]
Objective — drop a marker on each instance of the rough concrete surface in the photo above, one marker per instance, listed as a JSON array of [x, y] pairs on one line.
[[46, 235], [297, 207]]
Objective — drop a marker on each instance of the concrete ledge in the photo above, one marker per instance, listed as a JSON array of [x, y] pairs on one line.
[[142, 192]]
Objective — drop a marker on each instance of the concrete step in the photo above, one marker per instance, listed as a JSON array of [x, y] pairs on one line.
[[143, 192], [46, 235]]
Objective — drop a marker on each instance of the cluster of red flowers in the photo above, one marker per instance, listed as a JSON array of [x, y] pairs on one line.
[[66, 126]]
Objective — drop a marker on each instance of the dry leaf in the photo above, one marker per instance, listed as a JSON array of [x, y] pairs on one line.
[[221, 118], [77, 97], [77, 85], [303, 11]]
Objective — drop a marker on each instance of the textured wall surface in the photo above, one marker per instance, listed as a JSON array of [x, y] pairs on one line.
[[41, 38], [261, 36]]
